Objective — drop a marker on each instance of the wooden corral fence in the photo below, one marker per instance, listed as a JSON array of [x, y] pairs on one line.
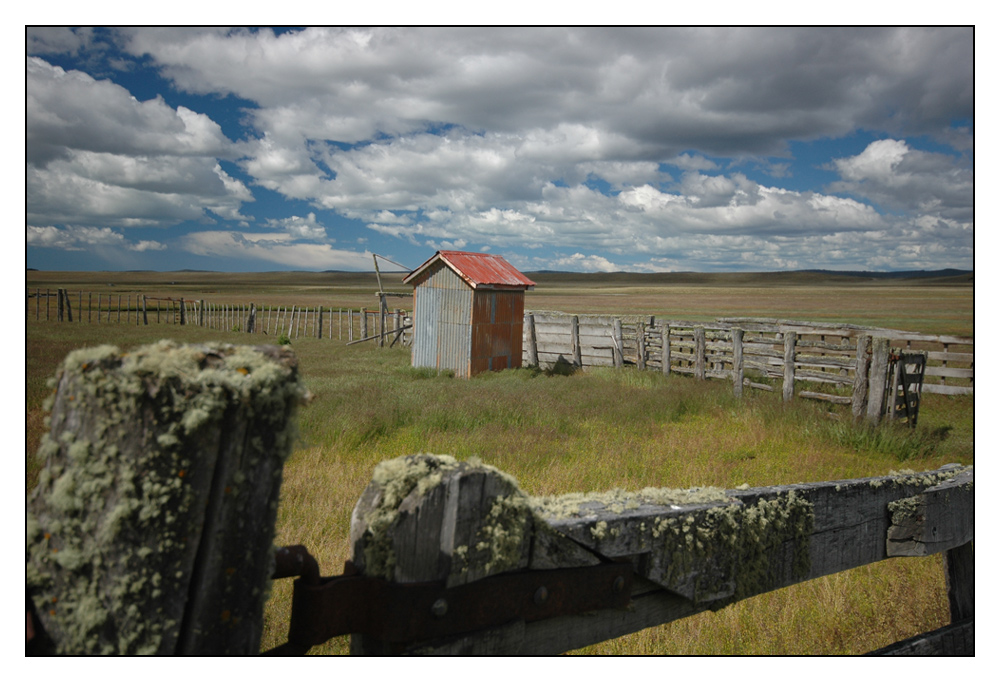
[[293, 321], [150, 531], [874, 370]]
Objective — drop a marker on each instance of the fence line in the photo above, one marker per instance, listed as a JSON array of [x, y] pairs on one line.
[[818, 361], [322, 322], [811, 360]]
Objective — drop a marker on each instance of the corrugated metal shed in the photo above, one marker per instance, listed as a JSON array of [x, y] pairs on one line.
[[468, 312]]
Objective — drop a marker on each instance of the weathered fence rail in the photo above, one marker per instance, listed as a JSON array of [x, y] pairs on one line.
[[428, 519], [293, 321], [844, 364]]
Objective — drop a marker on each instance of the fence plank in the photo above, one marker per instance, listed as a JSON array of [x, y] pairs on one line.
[[151, 527]]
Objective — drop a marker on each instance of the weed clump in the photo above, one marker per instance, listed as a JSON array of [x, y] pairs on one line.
[[895, 440]]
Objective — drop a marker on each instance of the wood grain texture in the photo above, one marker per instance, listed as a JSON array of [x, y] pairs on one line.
[[150, 530]]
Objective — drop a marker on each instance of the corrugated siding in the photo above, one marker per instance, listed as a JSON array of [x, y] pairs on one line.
[[442, 318], [497, 322]]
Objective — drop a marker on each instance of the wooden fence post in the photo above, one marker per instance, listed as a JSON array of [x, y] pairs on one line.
[[640, 344], [532, 341], [183, 316], [699, 353], [619, 351], [960, 577], [737, 362], [59, 305], [666, 348], [877, 378], [859, 395], [574, 332], [69, 306], [145, 318], [443, 533], [151, 528], [788, 380]]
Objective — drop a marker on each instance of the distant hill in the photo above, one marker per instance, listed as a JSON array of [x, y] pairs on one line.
[[784, 278], [901, 274]]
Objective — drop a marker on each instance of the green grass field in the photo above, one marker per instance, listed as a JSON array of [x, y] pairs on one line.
[[587, 431]]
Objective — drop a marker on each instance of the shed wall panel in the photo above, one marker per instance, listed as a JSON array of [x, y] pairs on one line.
[[442, 322], [497, 323]]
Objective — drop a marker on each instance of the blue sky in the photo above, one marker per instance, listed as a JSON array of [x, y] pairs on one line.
[[589, 149]]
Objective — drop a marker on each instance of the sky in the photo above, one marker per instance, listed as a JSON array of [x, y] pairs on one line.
[[583, 149]]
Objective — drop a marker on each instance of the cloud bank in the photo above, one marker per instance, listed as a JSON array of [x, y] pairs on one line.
[[591, 148]]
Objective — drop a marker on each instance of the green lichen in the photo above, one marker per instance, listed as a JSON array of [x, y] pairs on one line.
[[501, 536], [497, 542], [734, 551], [582, 505], [395, 480], [115, 507]]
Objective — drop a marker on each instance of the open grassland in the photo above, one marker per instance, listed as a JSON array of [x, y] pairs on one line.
[[588, 431], [930, 306]]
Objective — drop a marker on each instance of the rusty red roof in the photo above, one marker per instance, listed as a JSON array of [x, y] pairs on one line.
[[477, 269]]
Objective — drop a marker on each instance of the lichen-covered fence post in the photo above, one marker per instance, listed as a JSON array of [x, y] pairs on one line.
[[150, 530], [428, 519]]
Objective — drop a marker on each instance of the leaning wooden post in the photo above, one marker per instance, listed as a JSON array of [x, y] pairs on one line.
[[151, 527], [616, 338], [737, 362], [69, 306], [788, 381], [877, 379], [699, 352], [532, 346]]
